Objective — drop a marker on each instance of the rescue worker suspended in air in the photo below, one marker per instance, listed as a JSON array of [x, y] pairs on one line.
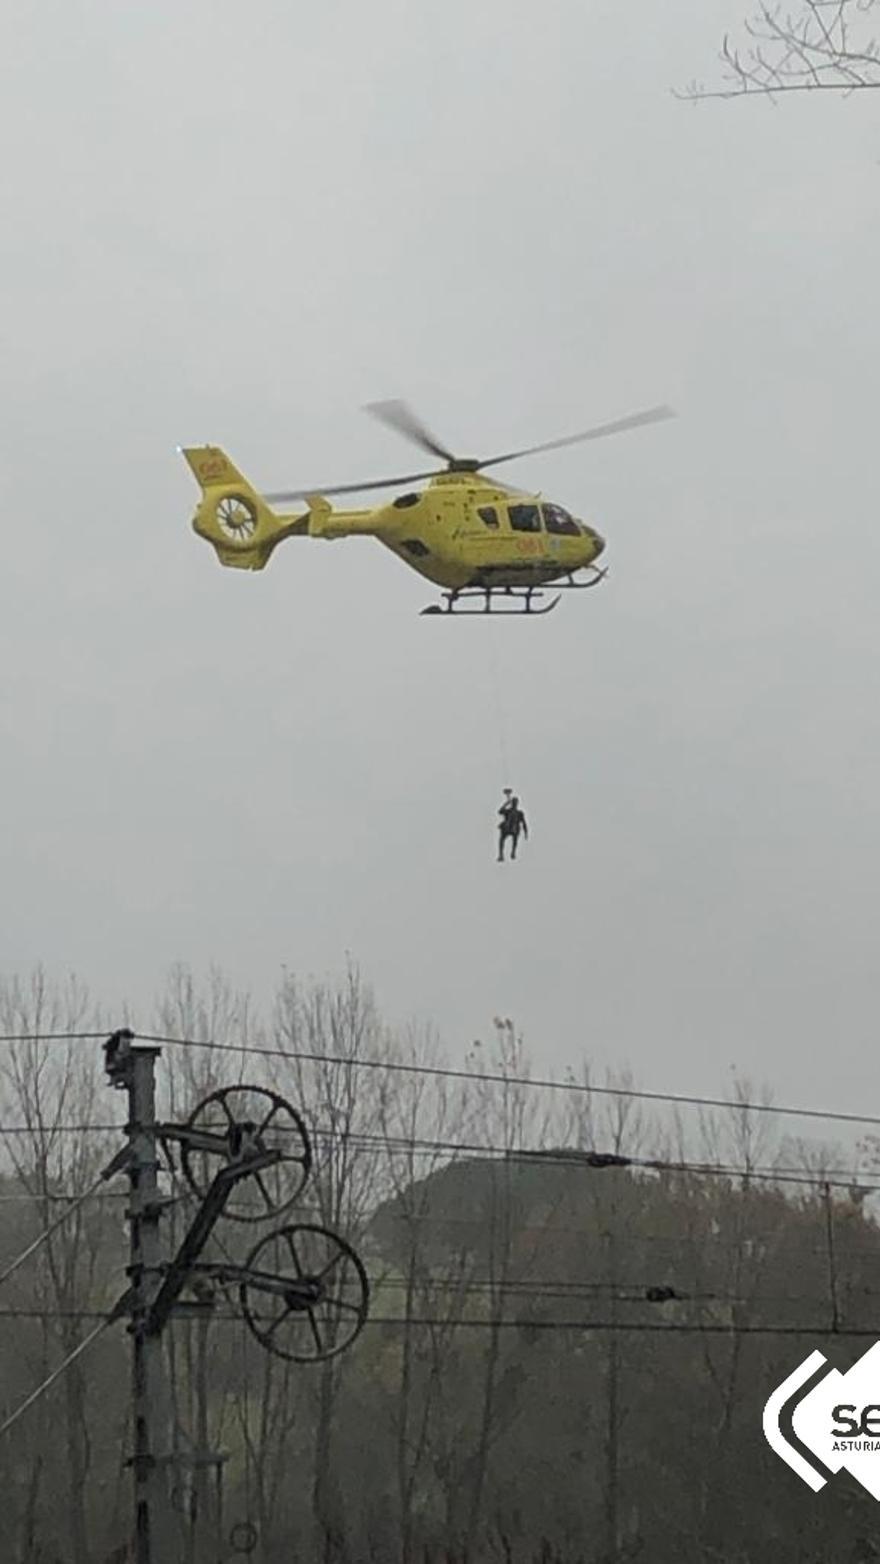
[[511, 824]]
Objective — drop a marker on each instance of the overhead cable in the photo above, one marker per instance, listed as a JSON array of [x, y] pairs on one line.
[[445, 1072]]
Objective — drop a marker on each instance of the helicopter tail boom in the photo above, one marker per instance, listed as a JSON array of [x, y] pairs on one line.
[[232, 516]]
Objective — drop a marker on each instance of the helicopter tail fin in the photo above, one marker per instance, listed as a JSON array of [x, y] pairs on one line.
[[231, 515], [211, 467]]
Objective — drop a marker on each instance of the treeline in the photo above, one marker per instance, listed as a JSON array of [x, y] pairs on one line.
[[578, 1309]]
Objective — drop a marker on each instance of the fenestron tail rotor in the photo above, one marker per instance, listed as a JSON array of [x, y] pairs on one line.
[[398, 416]]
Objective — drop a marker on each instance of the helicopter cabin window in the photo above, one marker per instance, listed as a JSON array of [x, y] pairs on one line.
[[558, 520], [488, 516], [524, 518]]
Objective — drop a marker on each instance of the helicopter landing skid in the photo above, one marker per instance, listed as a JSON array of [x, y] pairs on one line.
[[494, 599], [523, 602]]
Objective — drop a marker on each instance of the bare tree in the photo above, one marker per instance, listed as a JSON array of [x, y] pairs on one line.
[[333, 1042], [50, 1091], [731, 1229], [422, 1116], [618, 1123], [817, 45], [515, 1119], [200, 1014]]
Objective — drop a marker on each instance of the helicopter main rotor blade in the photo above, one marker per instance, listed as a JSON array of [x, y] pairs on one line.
[[281, 497], [652, 415], [398, 416]]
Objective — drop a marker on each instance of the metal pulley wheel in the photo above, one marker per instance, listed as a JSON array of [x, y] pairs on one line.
[[307, 1295], [234, 1124]]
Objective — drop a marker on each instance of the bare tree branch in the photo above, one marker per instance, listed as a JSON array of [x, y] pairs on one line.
[[821, 45]]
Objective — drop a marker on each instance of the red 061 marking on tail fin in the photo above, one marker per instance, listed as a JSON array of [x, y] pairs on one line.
[[212, 469]]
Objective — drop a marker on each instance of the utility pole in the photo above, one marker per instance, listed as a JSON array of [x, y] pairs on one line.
[[133, 1069], [612, 1521], [305, 1286], [206, 1510]]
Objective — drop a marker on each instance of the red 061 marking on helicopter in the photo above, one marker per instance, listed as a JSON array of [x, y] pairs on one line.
[[213, 469]]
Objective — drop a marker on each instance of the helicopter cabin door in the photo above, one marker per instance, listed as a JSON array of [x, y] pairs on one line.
[[487, 527], [504, 533], [510, 530], [525, 527]]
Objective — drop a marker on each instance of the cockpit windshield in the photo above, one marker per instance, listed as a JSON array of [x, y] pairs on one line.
[[558, 520]]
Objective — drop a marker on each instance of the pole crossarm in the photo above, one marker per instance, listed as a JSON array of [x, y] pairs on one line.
[[298, 1293], [200, 1230], [235, 1142]]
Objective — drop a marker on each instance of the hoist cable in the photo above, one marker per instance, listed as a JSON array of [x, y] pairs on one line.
[[497, 698]]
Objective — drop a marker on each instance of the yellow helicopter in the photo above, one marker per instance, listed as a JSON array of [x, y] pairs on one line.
[[490, 547]]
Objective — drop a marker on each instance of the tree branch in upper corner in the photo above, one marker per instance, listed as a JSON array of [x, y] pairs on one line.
[[814, 46]]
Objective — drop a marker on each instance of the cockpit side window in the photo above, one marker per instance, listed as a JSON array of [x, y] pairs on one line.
[[558, 520], [488, 516], [524, 518]]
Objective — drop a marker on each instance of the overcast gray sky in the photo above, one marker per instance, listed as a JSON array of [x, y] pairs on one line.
[[238, 224]]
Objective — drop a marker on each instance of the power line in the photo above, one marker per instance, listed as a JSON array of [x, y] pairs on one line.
[[669, 1327], [14, 1313], [445, 1072], [52, 1037], [592, 1159], [46, 1130], [620, 1291], [562, 1156], [49, 1195], [599, 1160]]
